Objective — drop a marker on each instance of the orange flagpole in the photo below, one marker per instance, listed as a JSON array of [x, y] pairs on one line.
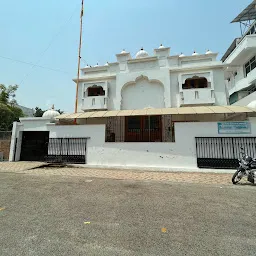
[[79, 54]]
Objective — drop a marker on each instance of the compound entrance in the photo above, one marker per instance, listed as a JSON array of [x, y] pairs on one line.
[[34, 146]]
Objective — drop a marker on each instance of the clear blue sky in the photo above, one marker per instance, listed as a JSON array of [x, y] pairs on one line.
[[28, 27]]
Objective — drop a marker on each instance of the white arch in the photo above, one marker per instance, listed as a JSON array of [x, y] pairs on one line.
[[142, 93]]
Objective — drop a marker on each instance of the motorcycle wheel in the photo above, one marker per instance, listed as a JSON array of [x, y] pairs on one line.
[[237, 176]]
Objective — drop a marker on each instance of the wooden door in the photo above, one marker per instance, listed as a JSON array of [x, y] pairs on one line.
[[143, 129]]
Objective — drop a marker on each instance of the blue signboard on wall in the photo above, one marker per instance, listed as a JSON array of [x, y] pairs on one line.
[[234, 128]]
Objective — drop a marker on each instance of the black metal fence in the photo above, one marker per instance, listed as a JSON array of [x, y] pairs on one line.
[[223, 152], [67, 150]]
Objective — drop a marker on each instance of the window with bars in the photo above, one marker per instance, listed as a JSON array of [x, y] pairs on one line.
[[250, 65]]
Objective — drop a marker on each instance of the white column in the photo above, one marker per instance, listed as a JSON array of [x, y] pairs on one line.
[[13, 142]]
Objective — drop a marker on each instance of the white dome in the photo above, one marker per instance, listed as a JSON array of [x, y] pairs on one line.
[[51, 113], [182, 55], [252, 104], [106, 64], [195, 53], [123, 51], [209, 52], [96, 65], [87, 66], [161, 46], [141, 54]]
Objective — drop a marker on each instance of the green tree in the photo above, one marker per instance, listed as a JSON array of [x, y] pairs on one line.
[[8, 110], [38, 112], [60, 111], [6, 117], [7, 94]]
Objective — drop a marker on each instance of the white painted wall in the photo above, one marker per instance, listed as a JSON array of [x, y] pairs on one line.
[[149, 94], [181, 154], [153, 76], [94, 133], [165, 155], [221, 98]]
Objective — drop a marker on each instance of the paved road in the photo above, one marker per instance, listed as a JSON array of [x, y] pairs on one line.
[[63, 215]]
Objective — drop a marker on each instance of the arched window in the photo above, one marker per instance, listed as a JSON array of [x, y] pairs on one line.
[[195, 82], [95, 91]]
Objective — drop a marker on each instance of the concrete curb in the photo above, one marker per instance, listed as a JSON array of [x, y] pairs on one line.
[[152, 169]]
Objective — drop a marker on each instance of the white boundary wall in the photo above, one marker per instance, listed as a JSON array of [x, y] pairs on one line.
[[154, 156]]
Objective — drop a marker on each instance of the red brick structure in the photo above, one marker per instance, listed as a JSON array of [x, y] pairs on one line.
[[5, 148]]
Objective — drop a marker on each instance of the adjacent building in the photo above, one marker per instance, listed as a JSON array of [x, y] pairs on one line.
[[240, 60]]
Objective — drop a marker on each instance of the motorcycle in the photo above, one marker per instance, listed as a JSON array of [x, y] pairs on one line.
[[247, 168]]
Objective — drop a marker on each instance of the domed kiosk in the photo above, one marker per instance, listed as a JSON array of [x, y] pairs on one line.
[[51, 114]]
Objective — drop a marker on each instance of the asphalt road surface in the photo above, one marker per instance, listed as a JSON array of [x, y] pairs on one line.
[[57, 215]]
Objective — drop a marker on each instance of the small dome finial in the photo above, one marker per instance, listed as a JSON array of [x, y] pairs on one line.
[[208, 52], [141, 54], [53, 106], [195, 53], [161, 46]]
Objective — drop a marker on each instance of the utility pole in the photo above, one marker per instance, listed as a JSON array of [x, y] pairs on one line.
[[79, 53]]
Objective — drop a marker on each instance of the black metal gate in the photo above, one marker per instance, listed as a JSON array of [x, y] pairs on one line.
[[34, 145], [66, 150], [223, 152]]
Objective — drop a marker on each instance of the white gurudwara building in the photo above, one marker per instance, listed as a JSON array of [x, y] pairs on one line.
[[157, 81], [154, 111]]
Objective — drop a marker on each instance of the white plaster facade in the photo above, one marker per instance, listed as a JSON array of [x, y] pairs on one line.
[[152, 81]]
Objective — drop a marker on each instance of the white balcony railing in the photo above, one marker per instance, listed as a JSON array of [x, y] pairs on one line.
[[197, 97], [246, 47], [97, 102], [244, 83], [251, 76]]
